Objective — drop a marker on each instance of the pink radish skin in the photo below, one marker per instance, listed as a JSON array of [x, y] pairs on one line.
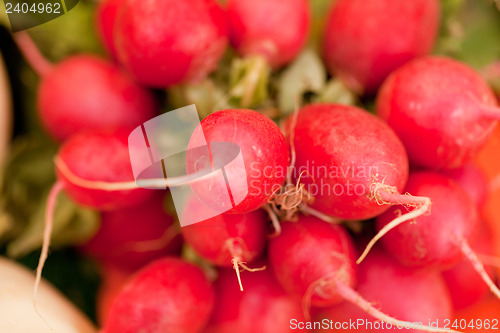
[[99, 156], [404, 30], [473, 182], [107, 11], [264, 307], [264, 152], [433, 240], [228, 239], [313, 260], [377, 275], [86, 93], [169, 295], [441, 126], [166, 42], [465, 285], [342, 152], [276, 30], [130, 238], [311, 250]]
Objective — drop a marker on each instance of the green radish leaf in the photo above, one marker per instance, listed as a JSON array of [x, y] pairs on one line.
[[306, 74], [72, 225]]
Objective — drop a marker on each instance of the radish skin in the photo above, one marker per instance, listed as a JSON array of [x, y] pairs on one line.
[[313, 260]]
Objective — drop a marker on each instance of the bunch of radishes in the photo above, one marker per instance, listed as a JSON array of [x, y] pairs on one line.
[[405, 169]]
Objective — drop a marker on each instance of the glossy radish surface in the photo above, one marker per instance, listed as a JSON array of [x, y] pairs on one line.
[[434, 239], [342, 152], [107, 12], [276, 30], [441, 109], [389, 285], [309, 251], [99, 156], [263, 151], [166, 42], [85, 93], [404, 30], [263, 307], [169, 295]]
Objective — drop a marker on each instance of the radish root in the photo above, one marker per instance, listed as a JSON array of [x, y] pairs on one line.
[[235, 247], [150, 245], [49, 223], [32, 54], [388, 195], [355, 298], [478, 266], [157, 183], [287, 201]]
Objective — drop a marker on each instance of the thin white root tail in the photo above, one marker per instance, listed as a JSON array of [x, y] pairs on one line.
[[423, 205], [355, 298], [478, 266], [235, 247], [156, 183], [49, 223], [313, 212]]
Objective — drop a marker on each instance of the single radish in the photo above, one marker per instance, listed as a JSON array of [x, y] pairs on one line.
[[84, 92], [263, 152], [276, 30], [473, 181], [227, 239], [267, 35], [349, 162], [442, 110], [413, 295], [166, 42], [131, 237], [100, 155], [264, 306], [439, 239], [404, 30], [106, 13], [169, 295], [313, 260], [465, 285]]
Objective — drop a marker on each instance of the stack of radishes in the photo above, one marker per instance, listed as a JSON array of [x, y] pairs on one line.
[[282, 259]]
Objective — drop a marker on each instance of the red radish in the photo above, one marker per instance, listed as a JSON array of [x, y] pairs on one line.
[[442, 110], [131, 237], [85, 92], [169, 295], [465, 285], [166, 42], [313, 260], [473, 181], [349, 161], [441, 238], [366, 40], [415, 296], [100, 155], [107, 12], [276, 30], [112, 281], [264, 152], [264, 307], [227, 239]]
